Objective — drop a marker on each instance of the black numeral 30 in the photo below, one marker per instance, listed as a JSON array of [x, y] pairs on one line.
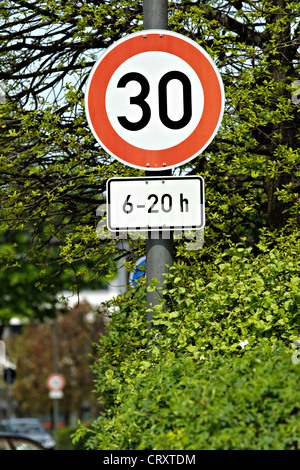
[[140, 100]]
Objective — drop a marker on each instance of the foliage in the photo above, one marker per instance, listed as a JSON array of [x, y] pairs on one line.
[[212, 314], [53, 173], [22, 280], [20, 296], [245, 403], [241, 296], [64, 441]]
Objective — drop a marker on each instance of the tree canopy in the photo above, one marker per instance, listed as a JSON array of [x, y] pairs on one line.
[[53, 172]]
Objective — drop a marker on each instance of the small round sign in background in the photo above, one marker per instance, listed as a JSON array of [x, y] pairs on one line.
[[55, 382], [154, 100]]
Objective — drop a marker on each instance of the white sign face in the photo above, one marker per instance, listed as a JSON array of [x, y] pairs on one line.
[[56, 394], [174, 87], [155, 203]]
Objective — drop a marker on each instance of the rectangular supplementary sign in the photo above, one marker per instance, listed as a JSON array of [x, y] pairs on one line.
[[155, 203]]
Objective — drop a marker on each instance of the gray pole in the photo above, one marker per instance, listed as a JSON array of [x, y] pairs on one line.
[[55, 370], [159, 250], [155, 14]]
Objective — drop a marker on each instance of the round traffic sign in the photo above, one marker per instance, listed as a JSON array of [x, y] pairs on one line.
[[55, 382], [154, 100]]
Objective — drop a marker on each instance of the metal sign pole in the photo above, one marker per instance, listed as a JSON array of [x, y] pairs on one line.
[[159, 250], [155, 14], [55, 368]]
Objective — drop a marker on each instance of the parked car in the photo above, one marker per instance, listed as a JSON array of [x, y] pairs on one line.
[[31, 428], [9, 441]]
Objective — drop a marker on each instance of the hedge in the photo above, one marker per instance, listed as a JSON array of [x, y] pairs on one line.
[[220, 373], [242, 403]]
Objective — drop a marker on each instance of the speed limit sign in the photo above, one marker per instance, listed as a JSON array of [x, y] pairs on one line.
[[154, 100], [55, 382]]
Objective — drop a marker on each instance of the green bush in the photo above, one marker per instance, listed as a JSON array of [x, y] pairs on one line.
[[220, 374], [241, 296], [249, 402], [64, 440]]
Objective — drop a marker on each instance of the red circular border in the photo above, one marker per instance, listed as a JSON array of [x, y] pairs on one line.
[[62, 384], [195, 142]]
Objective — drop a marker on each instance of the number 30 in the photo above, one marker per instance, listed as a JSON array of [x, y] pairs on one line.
[[140, 100]]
